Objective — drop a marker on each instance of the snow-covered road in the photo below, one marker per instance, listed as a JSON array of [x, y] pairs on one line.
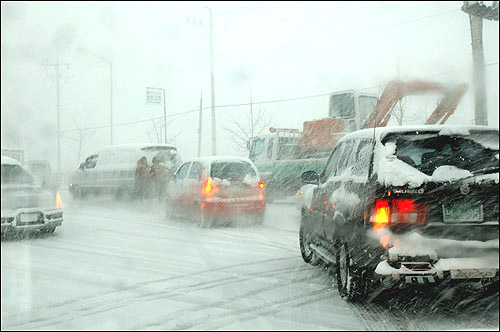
[[116, 265]]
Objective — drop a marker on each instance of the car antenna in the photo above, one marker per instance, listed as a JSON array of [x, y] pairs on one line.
[[373, 142]]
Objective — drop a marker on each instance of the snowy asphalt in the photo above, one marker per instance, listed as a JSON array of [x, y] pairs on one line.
[[116, 265]]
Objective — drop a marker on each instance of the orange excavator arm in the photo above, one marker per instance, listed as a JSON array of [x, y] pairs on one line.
[[397, 90]]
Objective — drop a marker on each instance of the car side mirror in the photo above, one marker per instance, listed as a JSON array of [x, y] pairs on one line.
[[310, 177], [82, 166]]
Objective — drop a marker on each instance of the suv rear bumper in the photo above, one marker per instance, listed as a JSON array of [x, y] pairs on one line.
[[435, 273]]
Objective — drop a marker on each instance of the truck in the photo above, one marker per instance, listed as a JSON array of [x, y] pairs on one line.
[[284, 153]]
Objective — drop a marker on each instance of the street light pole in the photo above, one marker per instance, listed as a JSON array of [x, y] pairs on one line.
[[214, 143], [110, 91], [164, 115], [111, 101]]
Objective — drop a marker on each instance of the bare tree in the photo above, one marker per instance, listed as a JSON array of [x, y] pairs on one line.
[[399, 111], [242, 131], [154, 132], [83, 136]]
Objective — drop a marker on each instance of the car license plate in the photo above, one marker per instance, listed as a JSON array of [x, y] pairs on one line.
[[463, 212], [472, 273], [236, 189], [29, 217]]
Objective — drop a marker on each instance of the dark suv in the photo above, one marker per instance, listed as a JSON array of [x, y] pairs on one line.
[[408, 204]]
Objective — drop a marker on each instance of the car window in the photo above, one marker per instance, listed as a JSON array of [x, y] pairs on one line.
[[182, 171], [347, 158], [428, 152], [15, 174], [232, 171], [333, 162], [195, 171], [163, 154], [362, 160], [257, 147], [91, 162], [270, 148]]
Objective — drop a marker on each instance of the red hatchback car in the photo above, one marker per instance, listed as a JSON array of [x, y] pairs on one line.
[[211, 188]]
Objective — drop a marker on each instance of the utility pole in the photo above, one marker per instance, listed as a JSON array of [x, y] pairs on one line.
[[110, 64], [214, 143], [251, 117], [477, 12], [110, 101], [165, 115], [58, 106], [200, 125]]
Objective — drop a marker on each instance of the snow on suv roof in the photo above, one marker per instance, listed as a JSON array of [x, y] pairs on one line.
[[381, 132], [9, 161]]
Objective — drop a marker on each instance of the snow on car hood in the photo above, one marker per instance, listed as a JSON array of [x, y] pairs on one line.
[[26, 196]]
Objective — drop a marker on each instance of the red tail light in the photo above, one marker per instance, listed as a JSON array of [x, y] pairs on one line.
[[261, 185], [399, 212], [382, 212], [209, 188]]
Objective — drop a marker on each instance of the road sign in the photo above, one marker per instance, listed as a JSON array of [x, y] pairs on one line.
[[153, 96]]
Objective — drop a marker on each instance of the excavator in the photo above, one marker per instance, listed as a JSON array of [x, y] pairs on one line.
[[348, 111]]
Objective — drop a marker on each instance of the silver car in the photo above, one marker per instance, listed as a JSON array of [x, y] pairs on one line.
[[26, 205]]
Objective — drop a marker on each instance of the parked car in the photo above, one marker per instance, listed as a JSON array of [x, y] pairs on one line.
[[406, 205], [42, 170], [210, 188], [26, 205], [111, 169]]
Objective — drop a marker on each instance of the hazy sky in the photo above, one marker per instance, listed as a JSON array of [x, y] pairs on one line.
[[270, 50]]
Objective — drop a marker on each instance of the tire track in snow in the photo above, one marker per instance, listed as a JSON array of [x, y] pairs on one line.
[[53, 314], [233, 314]]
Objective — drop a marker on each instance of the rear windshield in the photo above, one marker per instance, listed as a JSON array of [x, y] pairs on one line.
[[430, 151], [232, 171], [14, 174]]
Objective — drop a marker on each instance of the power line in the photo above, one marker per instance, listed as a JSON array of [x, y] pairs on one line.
[[255, 9], [208, 107], [412, 21]]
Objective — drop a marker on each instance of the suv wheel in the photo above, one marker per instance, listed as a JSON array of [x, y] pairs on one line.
[[168, 209], [258, 218], [76, 193], [349, 281], [307, 253], [205, 221]]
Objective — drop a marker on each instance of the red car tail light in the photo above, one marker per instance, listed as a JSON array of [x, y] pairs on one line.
[[381, 213], [399, 212], [406, 211], [261, 185], [209, 187]]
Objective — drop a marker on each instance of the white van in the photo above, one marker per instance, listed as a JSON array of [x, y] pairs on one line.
[[111, 170]]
